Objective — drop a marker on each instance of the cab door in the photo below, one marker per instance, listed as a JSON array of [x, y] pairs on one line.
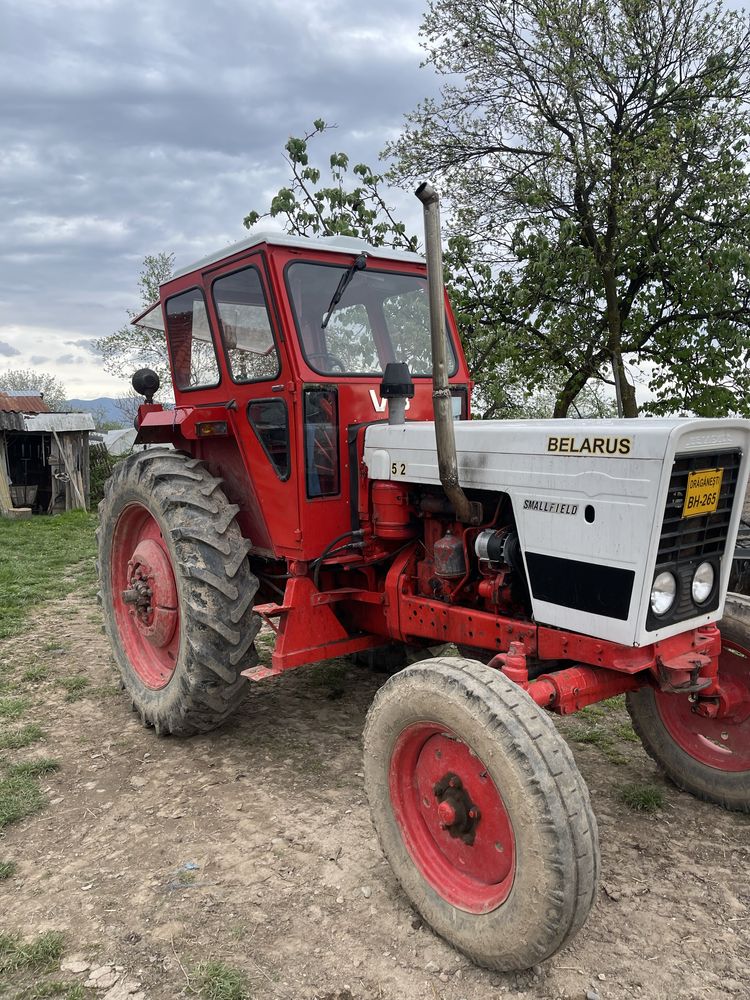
[[258, 378]]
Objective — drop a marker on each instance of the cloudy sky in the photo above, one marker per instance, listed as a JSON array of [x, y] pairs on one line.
[[130, 127]]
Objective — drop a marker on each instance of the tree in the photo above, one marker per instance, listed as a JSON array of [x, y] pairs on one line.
[[130, 347], [336, 201], [309, 209], [596, 153], [25, 380]]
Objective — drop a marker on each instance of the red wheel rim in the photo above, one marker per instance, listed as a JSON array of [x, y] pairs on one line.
[[145, 597], [722, 743], [473, 870]]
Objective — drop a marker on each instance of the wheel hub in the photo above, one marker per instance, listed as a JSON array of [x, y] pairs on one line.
[[458, 814], [716, 733], [144, 592], [452, 818], [152, 594]]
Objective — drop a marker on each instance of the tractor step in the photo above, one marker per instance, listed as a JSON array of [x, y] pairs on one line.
[[261, 672]]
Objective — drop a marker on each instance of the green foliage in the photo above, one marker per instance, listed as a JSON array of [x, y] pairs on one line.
[[38, 955], [36, 673], [12, 708], [27, 380], [352, 203], [130, 348], [20, 796], [41, 559], [101, 466], [17, 739], [34, 768], [7, 870], [75, 686], [596, 158], [642, 797], [219, 981]]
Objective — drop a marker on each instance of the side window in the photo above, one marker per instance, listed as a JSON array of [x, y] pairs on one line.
[[190, 341], [321, 442], [269, 419], [245, 327]]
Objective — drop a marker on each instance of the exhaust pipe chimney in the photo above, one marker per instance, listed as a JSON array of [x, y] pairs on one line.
[[442, 405]]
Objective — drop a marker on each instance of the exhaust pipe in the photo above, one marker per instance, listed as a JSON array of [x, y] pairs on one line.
[[442, 407]]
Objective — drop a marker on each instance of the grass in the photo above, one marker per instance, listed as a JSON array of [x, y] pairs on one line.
[[625, 731], [16, 739], [13, 708], [34, 768], [39, 955], [20, 796], [218, 981], [54, 988], [34, 674], [75, 686], [7, 870], [42, 559], [642, 797]]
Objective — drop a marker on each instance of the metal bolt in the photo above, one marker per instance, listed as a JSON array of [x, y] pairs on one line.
[[447, 813]]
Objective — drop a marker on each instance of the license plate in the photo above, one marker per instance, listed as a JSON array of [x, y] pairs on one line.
[[702, 494]]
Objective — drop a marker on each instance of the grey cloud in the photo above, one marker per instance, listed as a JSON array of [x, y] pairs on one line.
[[127, 130], [84, 345], [38, 359], [7, 350], [66, 359]]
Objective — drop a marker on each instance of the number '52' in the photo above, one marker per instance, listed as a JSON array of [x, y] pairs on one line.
[[398, 468]]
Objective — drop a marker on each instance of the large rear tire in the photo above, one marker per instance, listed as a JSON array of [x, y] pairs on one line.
[[177, 591], [710, 758], [481, 811]]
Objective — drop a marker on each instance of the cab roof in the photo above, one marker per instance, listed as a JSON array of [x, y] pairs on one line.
[[342, 244]]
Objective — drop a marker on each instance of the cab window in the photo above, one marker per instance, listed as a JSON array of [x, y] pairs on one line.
[[245, 326], [194, 363]]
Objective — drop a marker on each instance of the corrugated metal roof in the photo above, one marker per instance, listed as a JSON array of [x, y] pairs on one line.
[[59, 422], [22, 404]]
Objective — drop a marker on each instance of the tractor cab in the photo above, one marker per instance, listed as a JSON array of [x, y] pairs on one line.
[[278, 346]]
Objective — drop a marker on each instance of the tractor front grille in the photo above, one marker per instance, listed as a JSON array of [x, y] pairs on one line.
[[687, 541]]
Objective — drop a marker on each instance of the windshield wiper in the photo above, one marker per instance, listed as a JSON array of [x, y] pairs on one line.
[[359, 265]]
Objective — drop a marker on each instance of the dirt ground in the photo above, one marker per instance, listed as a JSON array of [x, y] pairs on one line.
[[254, 846]]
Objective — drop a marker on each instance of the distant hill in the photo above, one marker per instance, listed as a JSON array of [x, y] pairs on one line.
[[103, 407]]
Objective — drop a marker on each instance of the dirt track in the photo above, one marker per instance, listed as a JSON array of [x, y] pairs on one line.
[[290, 885]]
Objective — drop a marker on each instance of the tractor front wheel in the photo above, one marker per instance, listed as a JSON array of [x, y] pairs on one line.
[[177, 592], [481, 811], [710, 758]]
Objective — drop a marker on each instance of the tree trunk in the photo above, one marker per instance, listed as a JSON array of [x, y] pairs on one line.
[[567, 395], [625, 391]]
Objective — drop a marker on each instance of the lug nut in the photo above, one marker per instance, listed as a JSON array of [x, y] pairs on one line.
[[447, 813]]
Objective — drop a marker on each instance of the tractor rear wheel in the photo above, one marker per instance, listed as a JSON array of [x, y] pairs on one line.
[[481, 811], [177, 591], [710, 758]]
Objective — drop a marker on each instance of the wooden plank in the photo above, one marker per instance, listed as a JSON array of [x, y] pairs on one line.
[[5, 501], [73, 473]]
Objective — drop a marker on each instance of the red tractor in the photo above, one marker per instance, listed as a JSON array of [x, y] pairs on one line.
[[322, 475]]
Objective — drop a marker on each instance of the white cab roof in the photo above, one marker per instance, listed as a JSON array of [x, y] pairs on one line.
[[343, 244]]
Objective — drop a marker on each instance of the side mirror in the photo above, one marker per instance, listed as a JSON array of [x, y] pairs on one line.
[[146, 382]]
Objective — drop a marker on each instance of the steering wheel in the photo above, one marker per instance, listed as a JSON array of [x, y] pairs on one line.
[[330, 362]]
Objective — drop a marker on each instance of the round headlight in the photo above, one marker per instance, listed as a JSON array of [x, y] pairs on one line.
[[703, 583], [663, 593]]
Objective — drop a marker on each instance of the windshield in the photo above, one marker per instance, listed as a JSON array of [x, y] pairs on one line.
[[380, 317]]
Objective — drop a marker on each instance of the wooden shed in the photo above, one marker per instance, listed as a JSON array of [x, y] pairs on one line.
[[44, 457]]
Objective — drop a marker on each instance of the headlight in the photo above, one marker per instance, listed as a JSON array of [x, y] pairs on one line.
[[703, 583], [663, 593]]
